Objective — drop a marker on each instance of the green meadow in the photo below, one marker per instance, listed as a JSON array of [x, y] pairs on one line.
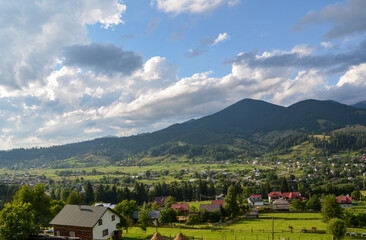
[[251, 229]]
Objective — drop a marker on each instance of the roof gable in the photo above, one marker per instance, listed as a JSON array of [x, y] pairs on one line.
[[80, 216]]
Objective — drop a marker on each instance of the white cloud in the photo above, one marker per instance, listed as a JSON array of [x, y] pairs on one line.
[[356, 76], [34, 33], [326, 44], [191, 6], [222, 37]]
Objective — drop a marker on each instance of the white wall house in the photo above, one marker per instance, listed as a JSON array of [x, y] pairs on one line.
[[86, 222]]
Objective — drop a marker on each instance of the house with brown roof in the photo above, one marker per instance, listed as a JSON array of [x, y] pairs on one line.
[[211, 207], [221, 202], [183, 207], [86, 222]]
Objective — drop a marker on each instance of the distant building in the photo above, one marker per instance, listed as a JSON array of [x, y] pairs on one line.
[[281, 205], [221, 202], [183, 207], [256, 200], [160, 200], [211, 207], [345, 202], [274, 196], [153, 214], [86, 222], [286, 195]]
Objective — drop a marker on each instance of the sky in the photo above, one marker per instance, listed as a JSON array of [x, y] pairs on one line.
[[75, 70]]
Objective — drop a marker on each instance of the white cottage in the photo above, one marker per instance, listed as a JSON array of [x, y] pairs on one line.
[[86, 222]]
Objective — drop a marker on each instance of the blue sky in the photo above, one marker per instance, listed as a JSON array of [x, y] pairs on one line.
[[72, 71]]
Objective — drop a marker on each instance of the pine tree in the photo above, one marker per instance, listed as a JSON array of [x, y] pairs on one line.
[[231, 201], [89, 194]]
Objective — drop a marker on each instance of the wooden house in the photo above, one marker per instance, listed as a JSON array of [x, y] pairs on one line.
[[86, 222]]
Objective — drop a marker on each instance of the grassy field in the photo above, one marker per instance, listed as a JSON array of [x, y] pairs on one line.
[[110, 171], [248, 229]]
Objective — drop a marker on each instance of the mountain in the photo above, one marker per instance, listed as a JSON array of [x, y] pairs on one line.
[[360, 105], [246, 123]]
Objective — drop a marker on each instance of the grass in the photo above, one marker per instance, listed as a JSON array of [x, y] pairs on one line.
[[248, 229]]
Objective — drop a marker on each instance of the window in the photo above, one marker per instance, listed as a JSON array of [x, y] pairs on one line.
[[100, 222], [105, 232], [72, 234], [113, 217]]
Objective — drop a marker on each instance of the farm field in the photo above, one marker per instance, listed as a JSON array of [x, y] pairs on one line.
[[121, 171], [247, 229]]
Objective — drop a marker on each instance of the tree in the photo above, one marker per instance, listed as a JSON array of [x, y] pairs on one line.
[[124, 223], [193, 219], [356, 194], [204, 215], [56, 207], [331, 208], [337, 228], [75, 198], [231, 202], [144, 219], [99, 194], [17, 221], [38, 199], [89, 194], [215, 216], [314, 203], [298, 205], [65, 192], [284, 186], [167, 216], [126, 208], [169, 201]]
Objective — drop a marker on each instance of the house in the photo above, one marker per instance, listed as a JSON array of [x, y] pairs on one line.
[[292, 196], [86, 222], [256, 200], [281, 205], [286, 195], [160, 200], [183, 207], [221, 202], [345, 202], [153, 214], [211, 207], [274, 196]]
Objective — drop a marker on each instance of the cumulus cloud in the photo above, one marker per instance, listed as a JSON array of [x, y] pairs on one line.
[[190, 6], [34, 32], [104, 58], [347, 18]]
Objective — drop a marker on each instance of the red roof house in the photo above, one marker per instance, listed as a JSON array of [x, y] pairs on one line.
[[221, 202], [345, 202], [184, 207]]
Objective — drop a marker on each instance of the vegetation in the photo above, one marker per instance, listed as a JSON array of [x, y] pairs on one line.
[[337, 228]]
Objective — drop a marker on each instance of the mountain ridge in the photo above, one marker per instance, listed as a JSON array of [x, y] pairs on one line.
[[243, 120]]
